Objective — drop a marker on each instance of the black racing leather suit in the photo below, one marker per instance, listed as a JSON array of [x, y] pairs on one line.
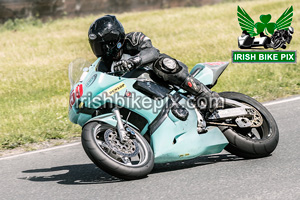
[[282, 35], [174, 72]]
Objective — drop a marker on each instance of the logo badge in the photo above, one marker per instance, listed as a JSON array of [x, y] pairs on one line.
[[91, 80], [92, 36], [271, 34], [265, 34], [115, 89], [119, 45]]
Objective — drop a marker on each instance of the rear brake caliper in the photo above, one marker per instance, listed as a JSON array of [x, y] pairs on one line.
[[243, 122]]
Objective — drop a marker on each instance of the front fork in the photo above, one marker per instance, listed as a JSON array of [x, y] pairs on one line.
[[121, 130]]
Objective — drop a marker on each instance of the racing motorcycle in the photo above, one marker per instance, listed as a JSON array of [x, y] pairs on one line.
[[245, 41], [281, 37], [131, 121]]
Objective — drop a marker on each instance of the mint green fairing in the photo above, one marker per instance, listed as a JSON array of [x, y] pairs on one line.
[[179, 140], [103, 83], [205, 75], [174, 139]]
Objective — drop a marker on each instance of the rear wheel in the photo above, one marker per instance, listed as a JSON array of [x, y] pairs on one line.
[[277, 43], [132, 159], [255, 142]]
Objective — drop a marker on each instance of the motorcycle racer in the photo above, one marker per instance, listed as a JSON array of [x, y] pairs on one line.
[[108, 40], [281, 37]]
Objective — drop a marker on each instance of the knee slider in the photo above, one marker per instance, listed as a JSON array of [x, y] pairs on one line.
[[168, 65], [170, 70]]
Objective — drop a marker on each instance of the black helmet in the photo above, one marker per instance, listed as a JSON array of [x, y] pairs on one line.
[[106, 37], [291, 30]]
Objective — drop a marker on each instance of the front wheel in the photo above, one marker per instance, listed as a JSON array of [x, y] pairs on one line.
[[132, 159], [255, 142]]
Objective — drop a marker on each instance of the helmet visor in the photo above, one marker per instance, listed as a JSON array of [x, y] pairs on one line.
[[111, 36], [97, 48], [109, 46]]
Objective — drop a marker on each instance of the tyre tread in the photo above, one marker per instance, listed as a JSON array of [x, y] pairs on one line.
[[244, 146], [106, 164]]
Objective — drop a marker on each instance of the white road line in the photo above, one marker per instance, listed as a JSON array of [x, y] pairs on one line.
[[281, 101], [39, 151], [77, 143]]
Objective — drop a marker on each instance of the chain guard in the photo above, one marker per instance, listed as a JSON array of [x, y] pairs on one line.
[[256, 121]]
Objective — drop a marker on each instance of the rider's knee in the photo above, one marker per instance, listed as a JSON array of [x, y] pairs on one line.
[[170, 69]]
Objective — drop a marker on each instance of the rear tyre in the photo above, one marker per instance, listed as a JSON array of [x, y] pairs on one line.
[[131, 160], [251, 142], [277, 44]]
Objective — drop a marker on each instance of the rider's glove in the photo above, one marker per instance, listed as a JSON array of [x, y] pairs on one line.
[[127, 65], [123, 66]]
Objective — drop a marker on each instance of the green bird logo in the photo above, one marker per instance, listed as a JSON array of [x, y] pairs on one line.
[[247, 23]]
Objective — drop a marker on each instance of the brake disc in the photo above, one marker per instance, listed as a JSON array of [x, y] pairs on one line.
[[128, 149]]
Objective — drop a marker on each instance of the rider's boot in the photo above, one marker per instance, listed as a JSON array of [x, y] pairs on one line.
[[202, 93]]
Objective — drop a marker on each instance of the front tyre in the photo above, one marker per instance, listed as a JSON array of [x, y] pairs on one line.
[[251, 142], [130, 160]]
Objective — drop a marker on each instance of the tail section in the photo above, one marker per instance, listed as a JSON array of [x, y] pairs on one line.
[[208, 73]]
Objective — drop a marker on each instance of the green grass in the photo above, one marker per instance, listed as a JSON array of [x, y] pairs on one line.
[[34, 59]]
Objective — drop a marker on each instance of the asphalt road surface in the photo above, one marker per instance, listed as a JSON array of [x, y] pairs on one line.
[[66, 172]]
